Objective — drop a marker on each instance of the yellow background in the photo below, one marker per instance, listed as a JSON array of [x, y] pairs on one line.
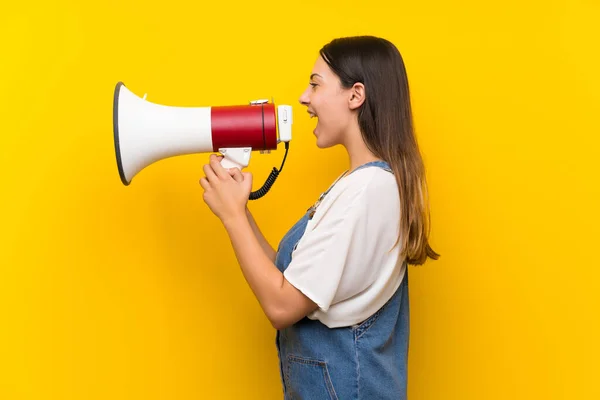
[[113, 292]]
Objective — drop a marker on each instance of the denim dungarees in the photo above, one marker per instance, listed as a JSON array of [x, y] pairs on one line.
[[365, 361]]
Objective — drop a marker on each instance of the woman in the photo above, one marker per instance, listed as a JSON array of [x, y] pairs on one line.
[[336, 288]]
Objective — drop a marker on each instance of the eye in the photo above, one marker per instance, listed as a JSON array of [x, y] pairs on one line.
[[313, 85]]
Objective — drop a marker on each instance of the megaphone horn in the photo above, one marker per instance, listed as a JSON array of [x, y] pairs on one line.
[[145, 132]]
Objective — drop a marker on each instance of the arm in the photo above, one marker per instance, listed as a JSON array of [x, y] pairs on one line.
[[282, 303], [271, 252]]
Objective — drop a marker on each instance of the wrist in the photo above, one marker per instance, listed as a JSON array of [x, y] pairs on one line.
[[235, 220]]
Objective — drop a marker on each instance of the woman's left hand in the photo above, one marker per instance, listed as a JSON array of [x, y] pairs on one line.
[[226, 192]]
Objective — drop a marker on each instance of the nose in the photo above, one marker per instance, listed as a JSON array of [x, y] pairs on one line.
[[304, 98]]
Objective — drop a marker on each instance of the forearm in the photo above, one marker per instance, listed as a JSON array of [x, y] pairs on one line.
[[271, 252], [265, 280]]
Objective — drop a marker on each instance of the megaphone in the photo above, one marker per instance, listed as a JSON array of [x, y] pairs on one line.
[[145, 132]]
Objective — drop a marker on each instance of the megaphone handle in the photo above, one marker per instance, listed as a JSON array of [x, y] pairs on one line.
[[230, 164], [237, 157]]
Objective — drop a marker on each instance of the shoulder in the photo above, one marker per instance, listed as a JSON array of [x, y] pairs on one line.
[[370, 190], [371, 179], [368, 186]]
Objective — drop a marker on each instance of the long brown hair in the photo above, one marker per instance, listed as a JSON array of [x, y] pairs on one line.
[[386, 123]]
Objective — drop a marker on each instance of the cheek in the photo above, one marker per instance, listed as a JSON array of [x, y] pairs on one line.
[[335, 118], [329, 111]]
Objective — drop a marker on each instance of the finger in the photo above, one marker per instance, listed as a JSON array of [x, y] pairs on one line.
[[218, 168], [236, 174], [210, 174], [247, 180], [247, 175], [204, 183]]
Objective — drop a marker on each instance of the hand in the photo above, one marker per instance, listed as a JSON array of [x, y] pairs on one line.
[[226, 191]]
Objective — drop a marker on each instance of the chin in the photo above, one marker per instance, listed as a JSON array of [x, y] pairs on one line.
[[324, 143], [319, 141]]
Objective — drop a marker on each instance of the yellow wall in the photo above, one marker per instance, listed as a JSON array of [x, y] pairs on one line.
[[113, 292]]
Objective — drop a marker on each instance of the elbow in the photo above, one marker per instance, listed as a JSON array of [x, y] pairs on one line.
[[279, 325], [280, 319]]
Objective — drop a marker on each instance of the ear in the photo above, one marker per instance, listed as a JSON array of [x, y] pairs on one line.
[[357, 96]]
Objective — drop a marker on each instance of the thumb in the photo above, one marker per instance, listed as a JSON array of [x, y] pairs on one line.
[[236, 174], [247, 180]]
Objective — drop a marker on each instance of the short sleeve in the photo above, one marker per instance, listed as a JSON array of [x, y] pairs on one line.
[[330, 261]]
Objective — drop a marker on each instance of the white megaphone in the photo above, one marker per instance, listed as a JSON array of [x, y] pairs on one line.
[[145, 132]]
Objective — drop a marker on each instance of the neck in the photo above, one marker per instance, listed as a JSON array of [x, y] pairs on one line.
[[358, 153]]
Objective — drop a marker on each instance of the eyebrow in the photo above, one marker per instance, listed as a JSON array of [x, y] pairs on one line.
[[313, 75]]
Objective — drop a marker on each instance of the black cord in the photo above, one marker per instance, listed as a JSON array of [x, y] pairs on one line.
[[270, 179]]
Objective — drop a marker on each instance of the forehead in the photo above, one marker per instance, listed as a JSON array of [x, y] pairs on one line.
[[321, 69]]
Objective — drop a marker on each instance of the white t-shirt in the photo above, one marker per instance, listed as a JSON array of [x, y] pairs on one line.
[[343, 262]]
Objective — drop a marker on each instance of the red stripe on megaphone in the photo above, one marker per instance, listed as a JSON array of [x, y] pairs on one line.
[[244, 126]]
